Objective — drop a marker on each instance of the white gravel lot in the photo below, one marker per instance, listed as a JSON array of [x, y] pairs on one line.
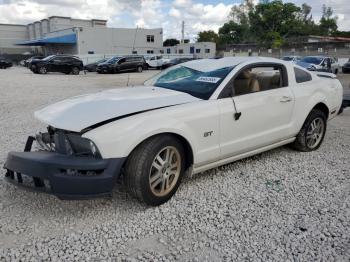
[[281, 205]]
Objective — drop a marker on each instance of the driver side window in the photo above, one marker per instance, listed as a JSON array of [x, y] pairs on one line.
[[256, 79], [121, 61]]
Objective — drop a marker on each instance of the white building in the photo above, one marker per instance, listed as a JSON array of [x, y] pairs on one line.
[[76, 36], [197, 50], [10, 34]]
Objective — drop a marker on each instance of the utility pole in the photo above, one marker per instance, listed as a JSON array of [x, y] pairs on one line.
[[183, 32]]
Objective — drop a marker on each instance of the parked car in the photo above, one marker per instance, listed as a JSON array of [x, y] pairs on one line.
[[320, 63], [29, 60], [5, 63], [346, 67], [118, 64], [176, 61], [156, 61], [345, 103], [57, 63], [291, 58], [187, 119], [93, 66]]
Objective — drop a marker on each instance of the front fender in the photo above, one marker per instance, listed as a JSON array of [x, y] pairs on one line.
[[119, 138]]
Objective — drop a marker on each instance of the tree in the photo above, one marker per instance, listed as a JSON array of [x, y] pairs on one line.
[[328, 23], [231, 33], [208, 36], [171, 42]]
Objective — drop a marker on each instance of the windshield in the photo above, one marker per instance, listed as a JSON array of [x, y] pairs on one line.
[[48, 57], [113, 59], [101, 61], [287, 58], [184, 79], [312, 60]]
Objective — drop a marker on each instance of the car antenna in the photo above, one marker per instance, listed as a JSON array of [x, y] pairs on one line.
[[237, 114]]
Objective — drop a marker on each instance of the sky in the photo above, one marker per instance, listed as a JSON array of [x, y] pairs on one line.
[[198, 15]]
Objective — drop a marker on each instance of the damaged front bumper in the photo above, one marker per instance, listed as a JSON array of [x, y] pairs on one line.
[[66, 176]]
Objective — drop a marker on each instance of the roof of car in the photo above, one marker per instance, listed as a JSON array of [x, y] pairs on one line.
[[206, 65]]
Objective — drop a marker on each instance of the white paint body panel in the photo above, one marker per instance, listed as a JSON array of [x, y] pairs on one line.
[[80, 112], [265, 123]]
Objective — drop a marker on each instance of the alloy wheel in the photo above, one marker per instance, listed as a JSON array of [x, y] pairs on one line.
[[315, 132], [165, 171]]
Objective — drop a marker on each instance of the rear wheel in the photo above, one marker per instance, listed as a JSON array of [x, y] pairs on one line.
[[311, 135], [75, 70], [43, 70], [139, 69], [154, 170]]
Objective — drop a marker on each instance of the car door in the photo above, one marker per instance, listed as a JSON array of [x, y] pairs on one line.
[[260, 112], [122, 63], [55, 64]]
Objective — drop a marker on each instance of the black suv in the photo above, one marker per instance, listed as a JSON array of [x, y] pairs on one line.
[[4, 63], [118, 64], [57, 63]]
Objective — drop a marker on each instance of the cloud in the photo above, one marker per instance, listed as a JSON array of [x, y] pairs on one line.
[[198, 14], [197, 17]]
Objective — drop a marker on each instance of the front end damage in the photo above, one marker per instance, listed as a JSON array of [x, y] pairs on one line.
[[65, 164]]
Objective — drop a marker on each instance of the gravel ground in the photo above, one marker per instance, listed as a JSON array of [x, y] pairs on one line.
[[281, 205]]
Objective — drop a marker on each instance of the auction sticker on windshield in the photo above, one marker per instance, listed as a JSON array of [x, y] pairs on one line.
[[208, 79]]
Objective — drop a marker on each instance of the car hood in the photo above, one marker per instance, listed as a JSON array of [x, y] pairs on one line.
[[306, 65], [80, 112]]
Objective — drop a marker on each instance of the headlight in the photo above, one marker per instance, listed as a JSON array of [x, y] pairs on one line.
[[82, 146], [67, 143]]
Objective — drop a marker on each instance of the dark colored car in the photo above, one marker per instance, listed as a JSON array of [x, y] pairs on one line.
[[4, 63], [346, 67], [93, 66], [57, 63], [176, 61], [121, 64], [345, 103], [29, 60]]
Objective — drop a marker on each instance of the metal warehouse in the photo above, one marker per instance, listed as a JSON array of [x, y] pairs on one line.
[[65, 35]]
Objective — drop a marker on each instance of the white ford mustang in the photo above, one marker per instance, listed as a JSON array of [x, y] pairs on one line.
[[189, 118]]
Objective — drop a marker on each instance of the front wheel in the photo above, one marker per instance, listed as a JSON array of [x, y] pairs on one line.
[[311, 135], [154, 170], [75, 70], [43, 70]]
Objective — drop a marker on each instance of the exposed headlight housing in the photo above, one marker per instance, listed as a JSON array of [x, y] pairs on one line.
[[68, 143]]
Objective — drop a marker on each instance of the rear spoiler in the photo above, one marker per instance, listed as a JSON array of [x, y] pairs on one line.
[[325, 74]]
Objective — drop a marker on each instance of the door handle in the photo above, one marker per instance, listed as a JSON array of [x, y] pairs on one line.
[[285, 99]]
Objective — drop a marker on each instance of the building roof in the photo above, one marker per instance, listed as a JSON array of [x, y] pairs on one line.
[[331, 38]]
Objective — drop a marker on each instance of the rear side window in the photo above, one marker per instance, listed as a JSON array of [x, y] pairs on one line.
[[301, 75]]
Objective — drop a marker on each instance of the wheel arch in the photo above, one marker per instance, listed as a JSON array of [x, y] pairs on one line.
[[189, 158], [322, 107]]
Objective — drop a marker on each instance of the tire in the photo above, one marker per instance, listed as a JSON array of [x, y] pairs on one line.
[[139, 69], [75, 70], [336, 71], [302, 142], [42, 70], [143, 165]]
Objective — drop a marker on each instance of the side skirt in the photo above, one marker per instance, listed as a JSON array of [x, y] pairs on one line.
[[225, 161]]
